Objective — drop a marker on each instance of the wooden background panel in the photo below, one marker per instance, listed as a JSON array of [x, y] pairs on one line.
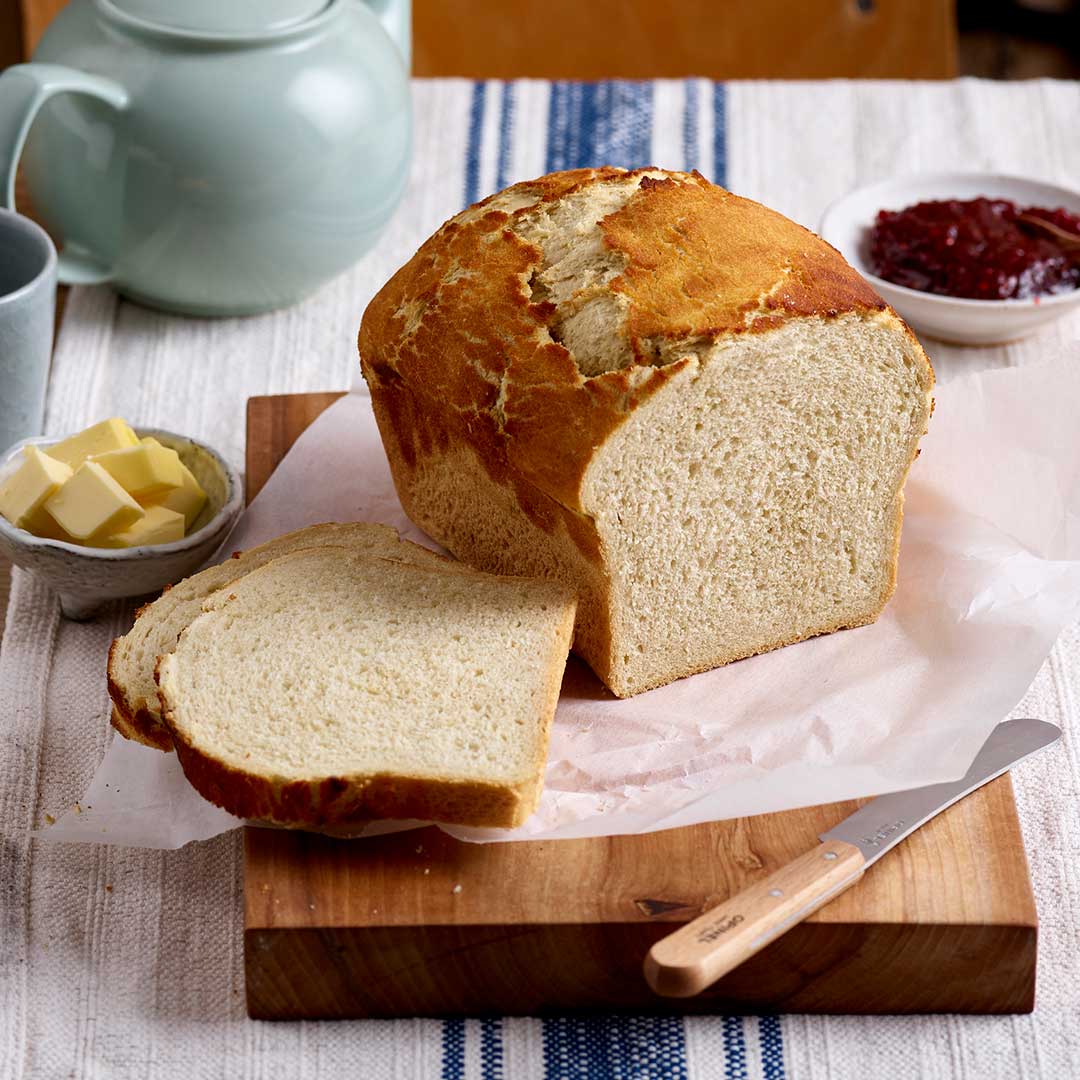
[[641, 39], [11, 43], [35, 16], [594, 39]]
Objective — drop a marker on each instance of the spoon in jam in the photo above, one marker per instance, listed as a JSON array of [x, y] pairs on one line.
[[1069, 242]]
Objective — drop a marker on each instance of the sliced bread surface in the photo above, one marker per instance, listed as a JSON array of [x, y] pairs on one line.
[[132, 658], [329, 687]]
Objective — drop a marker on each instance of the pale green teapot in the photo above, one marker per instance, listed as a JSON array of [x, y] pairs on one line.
[[212, 157]]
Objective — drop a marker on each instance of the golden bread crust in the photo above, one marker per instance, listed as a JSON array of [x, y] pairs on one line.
[[702, 262], [343, 802], [142, 730], [456, 349], [133, 722], [490, 423]]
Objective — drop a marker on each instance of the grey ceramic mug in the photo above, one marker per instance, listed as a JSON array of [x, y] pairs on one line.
[[27, 305]]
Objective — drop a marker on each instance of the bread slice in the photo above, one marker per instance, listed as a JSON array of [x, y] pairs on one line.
[[329, 687], [157, 625]]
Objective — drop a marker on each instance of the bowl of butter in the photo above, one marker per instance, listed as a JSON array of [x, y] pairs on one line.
[[114, 511]]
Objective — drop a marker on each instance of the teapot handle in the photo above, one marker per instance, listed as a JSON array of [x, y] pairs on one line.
[[24, 88], [396, 17]]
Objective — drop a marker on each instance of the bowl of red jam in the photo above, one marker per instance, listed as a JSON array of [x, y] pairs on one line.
[[956, 255]]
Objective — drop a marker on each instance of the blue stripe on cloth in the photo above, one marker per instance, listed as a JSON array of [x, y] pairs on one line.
[[453, 1050], [690, 125], [506, 130], [491, 1049], [615, 1048], [719, 175], [472, 148], [772, 1048], [734, 1049], [608, 123]]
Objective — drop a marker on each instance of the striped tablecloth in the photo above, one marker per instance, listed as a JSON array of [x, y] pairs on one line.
[[118, 963]]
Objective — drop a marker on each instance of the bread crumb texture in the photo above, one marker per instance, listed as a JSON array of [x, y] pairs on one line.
[[157, 625], [329, 687], [683, 405]]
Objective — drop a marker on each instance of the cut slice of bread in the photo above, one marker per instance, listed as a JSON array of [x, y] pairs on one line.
[[157, 625], [329, 687]]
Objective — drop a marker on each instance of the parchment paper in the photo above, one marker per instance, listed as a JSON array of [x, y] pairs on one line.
[[989, 575]]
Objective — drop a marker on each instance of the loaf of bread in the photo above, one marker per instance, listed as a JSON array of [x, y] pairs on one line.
[[132, 658], [683, 405], [329, 687]]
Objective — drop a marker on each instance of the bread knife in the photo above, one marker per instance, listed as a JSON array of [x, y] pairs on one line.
[[693, 957]]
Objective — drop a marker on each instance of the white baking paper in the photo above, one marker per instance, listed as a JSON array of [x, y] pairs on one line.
[[989, 575]]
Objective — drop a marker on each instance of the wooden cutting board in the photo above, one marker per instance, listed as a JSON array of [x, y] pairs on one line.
[[418, 924]]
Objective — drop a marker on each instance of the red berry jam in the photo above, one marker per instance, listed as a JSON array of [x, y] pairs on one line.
[[975, 248]]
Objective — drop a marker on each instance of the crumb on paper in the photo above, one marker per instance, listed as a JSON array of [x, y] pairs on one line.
[[108, 888], [50, 820], [78, 809], [456, 889]]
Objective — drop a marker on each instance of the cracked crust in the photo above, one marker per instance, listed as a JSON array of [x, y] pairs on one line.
[[476, 345], [484, 410]]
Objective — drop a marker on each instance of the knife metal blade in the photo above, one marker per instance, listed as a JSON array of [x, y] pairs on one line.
[[707, 948], [883, 822]]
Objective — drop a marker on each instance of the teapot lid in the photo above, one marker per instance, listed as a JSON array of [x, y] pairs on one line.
[[216, 17]]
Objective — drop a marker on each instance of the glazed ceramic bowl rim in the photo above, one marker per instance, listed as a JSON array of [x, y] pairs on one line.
[[227, 512], [945, 179]]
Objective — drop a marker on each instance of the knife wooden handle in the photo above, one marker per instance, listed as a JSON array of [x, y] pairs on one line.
[[696, 955]]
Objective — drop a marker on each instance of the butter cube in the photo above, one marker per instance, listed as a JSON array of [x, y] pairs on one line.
[[41, 523], [33, 483], [145, 470], [187, 499], [113, 434], [159, 525], [92, 503]]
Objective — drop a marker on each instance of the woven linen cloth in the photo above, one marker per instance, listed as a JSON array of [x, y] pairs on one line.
[[118, 963]]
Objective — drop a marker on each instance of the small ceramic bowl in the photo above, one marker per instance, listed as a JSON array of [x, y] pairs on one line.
[[86, 578], [847, 224]]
